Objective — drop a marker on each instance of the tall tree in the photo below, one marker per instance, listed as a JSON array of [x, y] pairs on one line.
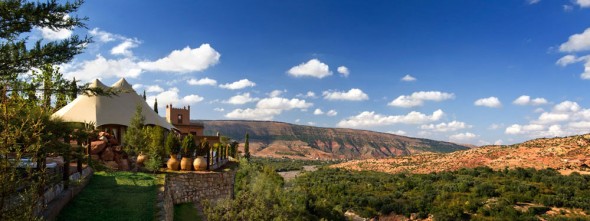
[[73, 89], [247, 147], [156, 105], [26, 129], [144, 97], [135, 140]]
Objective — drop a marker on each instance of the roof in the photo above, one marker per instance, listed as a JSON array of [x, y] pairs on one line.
[[117, 109]]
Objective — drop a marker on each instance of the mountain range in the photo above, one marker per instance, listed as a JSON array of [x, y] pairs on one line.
[[284, 140]]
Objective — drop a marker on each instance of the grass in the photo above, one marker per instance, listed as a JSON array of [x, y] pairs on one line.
[[115, 196], [186, 211]]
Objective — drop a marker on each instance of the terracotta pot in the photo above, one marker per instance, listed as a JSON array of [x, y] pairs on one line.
[[141, 158], [200, 163], [186, 163], [173, 163]]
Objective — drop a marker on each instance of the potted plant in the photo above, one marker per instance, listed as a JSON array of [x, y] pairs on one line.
[[173, 147], [188, 147], [200, 162]]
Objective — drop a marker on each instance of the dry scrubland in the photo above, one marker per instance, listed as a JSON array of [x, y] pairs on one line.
[[565, 154]]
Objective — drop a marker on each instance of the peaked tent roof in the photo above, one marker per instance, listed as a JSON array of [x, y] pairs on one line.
[[118, 109]]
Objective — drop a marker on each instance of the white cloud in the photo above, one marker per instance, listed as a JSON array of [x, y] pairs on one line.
[[445, 127], [154, 88], [331, 113], [171, 96], [241, 84], [202, 81], [101, 67], [309, 94], [462, 137], [55, 35], [569, 59], [492, 102], [218, 109], [495, 126], [418, 98], [568, 8], [267, 108], [124, 48], [532, 2], [318, 112], [137, 86], [408, 78], [185, 60], [398, 132], [567, 106], [498, 142], [102, 36], [241, 99], [370, 119], [526, 100], [583, 3], [276, 93], [344, 71], [577, 42], [353, 94], [312, 68]]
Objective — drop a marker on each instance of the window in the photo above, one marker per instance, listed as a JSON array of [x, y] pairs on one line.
[[180, 119]]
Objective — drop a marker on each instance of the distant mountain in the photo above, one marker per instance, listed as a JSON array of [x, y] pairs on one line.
[[277, 139], [565, 154]]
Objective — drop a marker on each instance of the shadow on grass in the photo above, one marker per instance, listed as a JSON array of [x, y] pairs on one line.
[[114, 196]]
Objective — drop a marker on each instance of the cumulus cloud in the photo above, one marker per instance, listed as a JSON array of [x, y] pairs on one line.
[[312, 68], [124, 48], [202, 81], [172, 96], [267, 108], [331, 113], [309, 94], [370, 119], [241, 84], [353, 94], [408, 78], [276, 93], [418, 98], [154, 88], [241, 99], [344, 71], [102, 36], [185, 60], [577, 42], [318, 112], [492, 102], [55, 35], [526, 100], [462, 137], [566, 118], [101, 67], [582, 3], [445, 127]]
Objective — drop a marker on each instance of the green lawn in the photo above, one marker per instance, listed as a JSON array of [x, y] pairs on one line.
[[186, 212], [114, 196]]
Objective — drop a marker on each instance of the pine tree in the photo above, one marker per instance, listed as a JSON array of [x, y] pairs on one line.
[[135, 141], [247, 147], [73, 90], [144, 97], [156, 105]]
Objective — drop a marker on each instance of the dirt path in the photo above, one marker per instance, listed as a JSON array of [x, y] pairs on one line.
[[290, 175]]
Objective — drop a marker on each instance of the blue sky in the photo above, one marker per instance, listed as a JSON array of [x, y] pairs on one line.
[[478, 72]]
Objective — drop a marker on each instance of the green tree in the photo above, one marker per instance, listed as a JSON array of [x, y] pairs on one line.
[[172, 144], [26, 129], [156, 105], [144, 97], [188, 146], [135, 141], [247, 147], [155, 144]]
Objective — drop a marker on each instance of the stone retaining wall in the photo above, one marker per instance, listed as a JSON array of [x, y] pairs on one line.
[[197, 186]]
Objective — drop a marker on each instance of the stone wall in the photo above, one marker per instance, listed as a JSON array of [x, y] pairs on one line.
[[168, 204], [197, 186]]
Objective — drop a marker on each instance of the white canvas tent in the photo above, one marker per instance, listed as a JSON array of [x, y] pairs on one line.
[[114, 110]]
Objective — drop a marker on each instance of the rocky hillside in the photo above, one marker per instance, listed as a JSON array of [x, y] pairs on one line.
[[566, 154], [276, 139]]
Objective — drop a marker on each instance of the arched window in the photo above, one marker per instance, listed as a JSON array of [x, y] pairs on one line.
[[180, 119]]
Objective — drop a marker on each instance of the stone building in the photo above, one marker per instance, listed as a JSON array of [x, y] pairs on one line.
[[180, 118]]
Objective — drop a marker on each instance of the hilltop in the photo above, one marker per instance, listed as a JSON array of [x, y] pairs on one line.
[[565, 154], [278, 139]]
